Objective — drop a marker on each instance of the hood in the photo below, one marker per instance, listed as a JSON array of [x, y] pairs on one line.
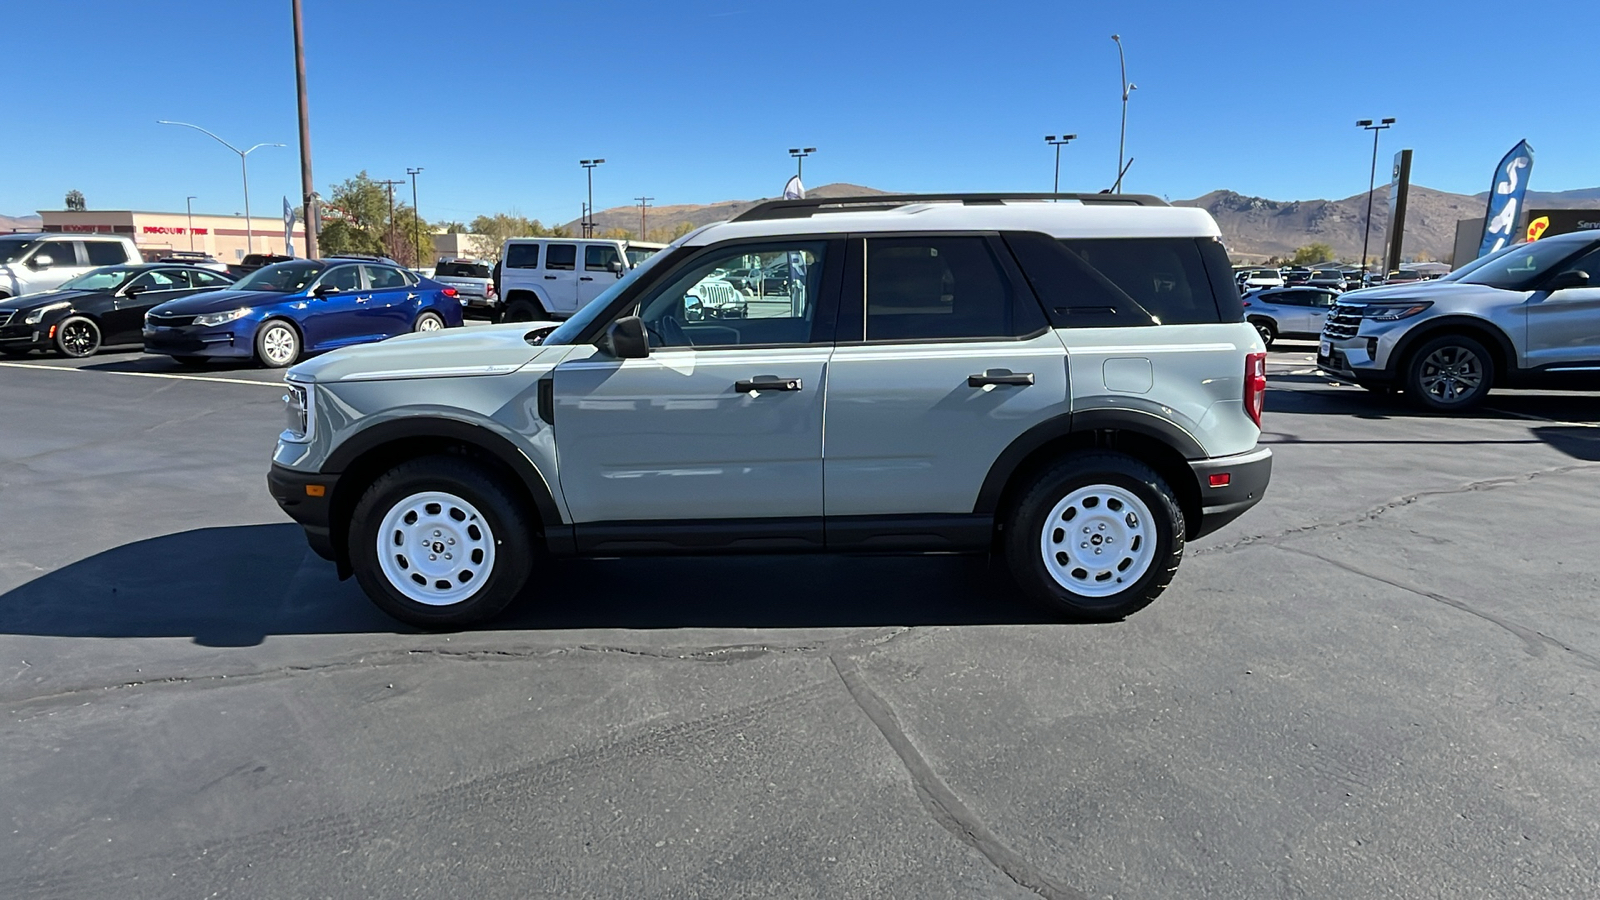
[[451, 352], [1416, 290], [31, 301], [219, 301]]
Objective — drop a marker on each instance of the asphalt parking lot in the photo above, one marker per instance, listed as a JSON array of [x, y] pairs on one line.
[[1383, 682]]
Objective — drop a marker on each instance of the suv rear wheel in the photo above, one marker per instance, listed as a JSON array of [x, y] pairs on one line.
[[1449, 373], [524, 310], [1097, 536], [438, 543]]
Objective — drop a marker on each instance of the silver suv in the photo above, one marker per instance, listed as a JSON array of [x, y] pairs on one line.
[[1527, 315], [34, 263], [1069, 384]]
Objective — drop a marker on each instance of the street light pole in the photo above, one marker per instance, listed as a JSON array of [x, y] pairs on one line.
[[188, 205], [307, 191], [800, 154], [249, 243], [1372, 184], [644, 202], [416, 217], [1058, 143], [588, 166], [1127, 89]]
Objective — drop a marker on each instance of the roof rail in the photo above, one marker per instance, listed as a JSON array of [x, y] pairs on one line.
[[801, 209]]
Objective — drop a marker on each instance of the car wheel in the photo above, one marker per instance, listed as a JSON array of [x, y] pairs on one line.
[[438, 542], [524, 311], [277, 344], [1265, 329], [1449, 374], [193, 362], [1097, 537], [428, 321], [77, 337]]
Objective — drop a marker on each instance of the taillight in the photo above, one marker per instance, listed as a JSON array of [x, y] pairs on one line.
[[1255, 385], [448, 292]]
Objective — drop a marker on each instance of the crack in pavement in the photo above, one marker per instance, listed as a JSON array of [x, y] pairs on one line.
[[947, 808], [1534, 642], [1375, 512], [726, 653]]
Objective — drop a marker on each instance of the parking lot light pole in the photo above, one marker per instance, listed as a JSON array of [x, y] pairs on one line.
[[588, 167], [249, 244], [1127, 89], [644, 203], [800, 154], [1372, 185], [416, 217], [188, 205], [1058, 143]]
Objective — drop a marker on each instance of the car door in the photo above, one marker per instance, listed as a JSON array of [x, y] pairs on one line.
[[597, 274], [714, 439], [559, 276], [335, 310], [1293, 310], [1564, 325], [51, 264], [1318, 305], [123, 322], [944, 358], [393, 301]]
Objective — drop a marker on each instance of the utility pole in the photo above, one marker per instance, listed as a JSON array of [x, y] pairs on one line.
[[389, 184], [1372, 184], [588, 167], [416, 216], [1058, 143], [307, 215], [800, 154], [188, 204], [644, 202], [1127, 89]]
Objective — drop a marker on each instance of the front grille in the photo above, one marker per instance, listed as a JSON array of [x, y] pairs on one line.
[[6, 315], [1343, 321], [171, 321]]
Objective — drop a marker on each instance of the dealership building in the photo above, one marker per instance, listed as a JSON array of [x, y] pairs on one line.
[[157, 234]]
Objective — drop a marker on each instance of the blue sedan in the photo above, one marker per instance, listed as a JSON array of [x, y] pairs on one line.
[[278, 313]]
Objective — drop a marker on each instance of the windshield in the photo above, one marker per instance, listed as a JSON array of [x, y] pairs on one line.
[[99, 280], [637, 255], [1518, 266], [580, 320], [283, 278], [11, 249]]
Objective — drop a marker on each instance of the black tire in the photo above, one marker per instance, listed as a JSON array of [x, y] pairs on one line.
[[434, 318], [511, 528], [520, 310], [1025, 536], [77, 337], [193, 362], [1267, 332], [1449, 373], [270, 352]]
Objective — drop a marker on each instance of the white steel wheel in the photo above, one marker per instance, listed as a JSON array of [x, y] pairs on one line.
[[1098, 540], [435, 548]]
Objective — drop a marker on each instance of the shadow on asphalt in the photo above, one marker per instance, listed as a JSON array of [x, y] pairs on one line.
[[231, 587]]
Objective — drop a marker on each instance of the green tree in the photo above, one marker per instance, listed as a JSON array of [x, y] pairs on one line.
[[75, 201], [1311, 254], [491, 232]]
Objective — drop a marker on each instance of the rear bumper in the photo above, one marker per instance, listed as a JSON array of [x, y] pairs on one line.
[[1247, 477], [290, 488]]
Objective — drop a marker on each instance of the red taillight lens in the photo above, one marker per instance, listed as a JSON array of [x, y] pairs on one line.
[[1255, 385], [448, 292]]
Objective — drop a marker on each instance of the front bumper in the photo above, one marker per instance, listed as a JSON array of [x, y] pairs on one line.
[[307, 498], [1353, 359], [25, 337], [1247, 477], [191, 341]]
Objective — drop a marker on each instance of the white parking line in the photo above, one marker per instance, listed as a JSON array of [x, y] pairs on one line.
[[1507, 412], [39, 368]]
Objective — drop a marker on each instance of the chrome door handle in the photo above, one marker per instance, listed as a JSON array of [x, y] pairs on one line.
[[1000, 376], [410, 296], [767, 383], [362, 299]]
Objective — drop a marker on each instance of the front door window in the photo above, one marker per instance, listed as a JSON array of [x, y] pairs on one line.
[[710, 304]]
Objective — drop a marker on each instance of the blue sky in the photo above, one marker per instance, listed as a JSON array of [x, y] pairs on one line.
[[698, 101]]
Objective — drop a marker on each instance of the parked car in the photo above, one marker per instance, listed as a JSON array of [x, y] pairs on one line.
[[196, 258], [552, 278], [1297, 275], [1289, 312], [1071, 382], [1526, 315], [280, 312], [101, 308], [1332, 279], [30, 263], [254, 261], [1260, 279], [474, 284]]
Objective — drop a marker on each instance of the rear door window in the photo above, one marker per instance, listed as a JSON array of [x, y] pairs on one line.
[[383, 278], [561, 257], [942, 288], [522, 256]]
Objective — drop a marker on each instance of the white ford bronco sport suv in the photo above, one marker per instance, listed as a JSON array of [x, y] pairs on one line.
[[1069, 384]]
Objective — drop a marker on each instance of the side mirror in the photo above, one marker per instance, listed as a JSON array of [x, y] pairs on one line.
[[134, 290], [1572, 278], [616, 267], [626, 339], [321, 291], [41, 261]]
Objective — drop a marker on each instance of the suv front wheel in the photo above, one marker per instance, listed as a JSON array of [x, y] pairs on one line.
[[437, 542], [1097, 536], [1449, 374]]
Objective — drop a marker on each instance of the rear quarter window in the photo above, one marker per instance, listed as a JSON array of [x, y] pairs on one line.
[[1112, 282]]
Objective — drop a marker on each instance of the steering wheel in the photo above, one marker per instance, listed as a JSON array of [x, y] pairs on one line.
[[673, 333]]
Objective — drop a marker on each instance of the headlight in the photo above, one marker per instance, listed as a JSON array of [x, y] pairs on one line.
[[1394, 312], [297, 408], [37, 315], [222, 318]]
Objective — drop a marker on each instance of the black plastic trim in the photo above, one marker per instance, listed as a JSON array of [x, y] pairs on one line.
[[805, 208], [288, 487], [673, 536], [956, 533], [1248, 474]]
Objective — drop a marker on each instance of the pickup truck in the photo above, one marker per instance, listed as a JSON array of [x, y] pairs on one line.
[[254, 261], [474, 284]]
